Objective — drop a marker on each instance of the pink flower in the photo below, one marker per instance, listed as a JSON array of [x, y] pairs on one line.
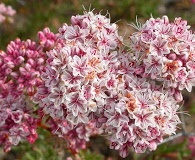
[[80, 66], [76, 104], [158, 47], [75, 33], [191, 145], [6, 12], [143, 120], [153, 65], [57, 96], [17, 116], [70, 79], [116, 119]]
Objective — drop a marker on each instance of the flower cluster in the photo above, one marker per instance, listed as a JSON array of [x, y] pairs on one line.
[[139, 115], [78, 74], [20, 68], [19, 76], [17, 122], [165, 52], [91, 81], [87, 84], [6, 12]]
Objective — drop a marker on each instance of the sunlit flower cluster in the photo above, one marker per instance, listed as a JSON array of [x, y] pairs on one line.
[[6, 12], [165, 52]]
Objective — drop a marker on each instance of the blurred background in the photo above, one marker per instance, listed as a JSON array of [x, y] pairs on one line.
[[33, 15]]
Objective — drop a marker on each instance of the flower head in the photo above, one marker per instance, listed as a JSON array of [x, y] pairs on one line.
[[165, 52]]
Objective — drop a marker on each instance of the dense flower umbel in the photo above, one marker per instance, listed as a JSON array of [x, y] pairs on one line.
[[17, 121], [78, 75], [165, 52], [20, 68], [138, 113], [6, 12], [19, 77], [22, 63], [90, 86]]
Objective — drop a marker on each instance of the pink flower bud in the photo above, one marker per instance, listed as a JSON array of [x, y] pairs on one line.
[[8, 71], [31, 62], [17, 116], [178, 96], [32, 138], [172, 56], [152, 145], [20, 60]]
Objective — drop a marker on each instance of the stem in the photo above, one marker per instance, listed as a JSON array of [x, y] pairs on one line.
[[183, 122], [172, 137], [183, 133]]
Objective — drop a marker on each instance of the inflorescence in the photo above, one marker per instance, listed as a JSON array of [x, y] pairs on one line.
[[84, 82]]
